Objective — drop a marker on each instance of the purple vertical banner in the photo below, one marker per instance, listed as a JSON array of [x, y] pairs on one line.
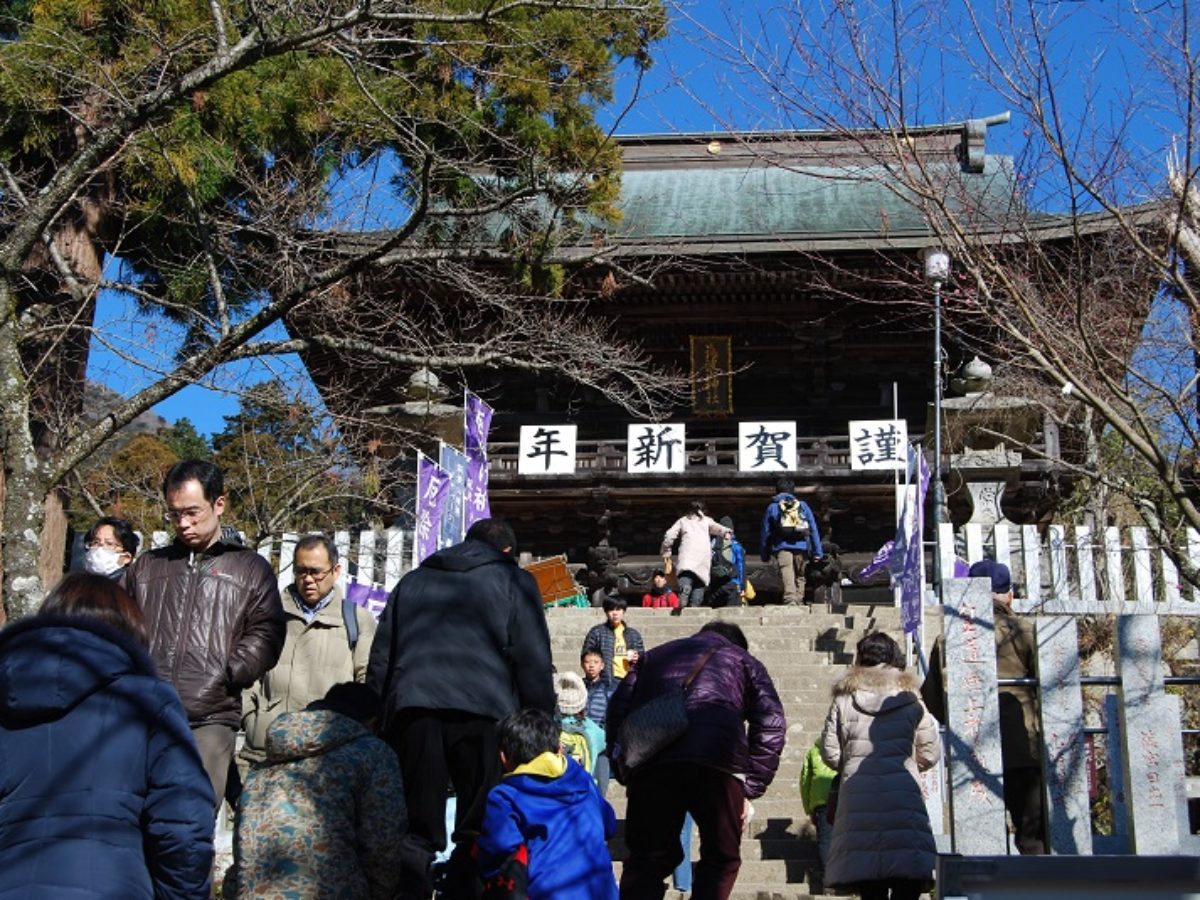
[[454, 464], [432, 487], [905, 563], [478, 421]]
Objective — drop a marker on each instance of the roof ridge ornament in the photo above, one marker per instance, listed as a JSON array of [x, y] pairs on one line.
[[972, 151]]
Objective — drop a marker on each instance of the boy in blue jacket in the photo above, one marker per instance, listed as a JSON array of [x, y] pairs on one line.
[[545, 824]]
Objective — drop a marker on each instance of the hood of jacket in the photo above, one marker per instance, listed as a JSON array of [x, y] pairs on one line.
[[469, 554], [538, 781], [50, 664], [310, 732], [878, 690]]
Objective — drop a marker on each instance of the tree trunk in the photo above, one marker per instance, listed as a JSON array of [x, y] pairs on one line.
[[54, 370], [1096, 510], [54, 538], [24, 494]]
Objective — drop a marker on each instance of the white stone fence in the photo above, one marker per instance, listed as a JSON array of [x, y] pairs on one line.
[[1073, 570], [1069, 569], [1141, 721], [371, 557], [1059, 574]]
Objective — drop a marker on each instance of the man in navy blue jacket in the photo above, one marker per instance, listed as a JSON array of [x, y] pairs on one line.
[[462, 643], [790, 537]]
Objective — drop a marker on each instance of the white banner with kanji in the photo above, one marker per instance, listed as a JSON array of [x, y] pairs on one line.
[[878, 444]]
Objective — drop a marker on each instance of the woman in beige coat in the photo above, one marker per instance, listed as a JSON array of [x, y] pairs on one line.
[[693, 533], [878, 735]]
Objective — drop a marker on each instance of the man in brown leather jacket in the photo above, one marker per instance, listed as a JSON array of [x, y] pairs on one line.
[[213, 616]]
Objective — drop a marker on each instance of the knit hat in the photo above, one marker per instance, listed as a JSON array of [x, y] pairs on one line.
[[998, 572], [572, 695]]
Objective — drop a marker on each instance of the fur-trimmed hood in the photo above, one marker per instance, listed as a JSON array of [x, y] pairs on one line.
[[879, 736], [876, 690]]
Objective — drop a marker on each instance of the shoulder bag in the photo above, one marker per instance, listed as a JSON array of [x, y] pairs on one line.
[[652, 727]]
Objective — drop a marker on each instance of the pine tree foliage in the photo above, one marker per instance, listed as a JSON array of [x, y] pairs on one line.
[[205, 160]]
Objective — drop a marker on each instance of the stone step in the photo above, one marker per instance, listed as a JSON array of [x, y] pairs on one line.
[[647, 621], [765, 846], [691, 620], [772, 815], [759, 872], [806, 650], [786, 671], [816, 652]]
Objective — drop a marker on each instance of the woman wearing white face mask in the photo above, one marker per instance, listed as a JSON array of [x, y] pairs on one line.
[[111, 544]]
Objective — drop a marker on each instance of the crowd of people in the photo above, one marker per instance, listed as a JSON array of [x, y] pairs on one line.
[[708, 561], [121, 700]]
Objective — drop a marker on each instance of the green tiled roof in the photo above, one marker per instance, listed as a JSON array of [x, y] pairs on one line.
[[723, 204]]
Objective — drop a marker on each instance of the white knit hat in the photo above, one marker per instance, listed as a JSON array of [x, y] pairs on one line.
[[572, 695]]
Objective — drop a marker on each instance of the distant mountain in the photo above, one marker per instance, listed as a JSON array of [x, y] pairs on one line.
[[99, 399]]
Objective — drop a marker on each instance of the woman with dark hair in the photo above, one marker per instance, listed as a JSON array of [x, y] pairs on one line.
[[692, 533], [102, 793], [111, 546], [878, 736]]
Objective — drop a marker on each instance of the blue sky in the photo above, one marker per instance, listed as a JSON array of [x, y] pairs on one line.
[[696, 85]]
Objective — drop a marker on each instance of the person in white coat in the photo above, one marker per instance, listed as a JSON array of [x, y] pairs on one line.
[[878, 736], [693, 534]]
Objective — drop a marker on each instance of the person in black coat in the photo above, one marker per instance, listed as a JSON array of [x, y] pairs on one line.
[[462, 643], [102, 792]]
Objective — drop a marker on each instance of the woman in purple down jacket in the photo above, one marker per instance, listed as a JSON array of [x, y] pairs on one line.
[[712, 771]]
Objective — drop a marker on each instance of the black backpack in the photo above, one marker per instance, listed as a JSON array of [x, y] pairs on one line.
[[721, 568], [350, 617]]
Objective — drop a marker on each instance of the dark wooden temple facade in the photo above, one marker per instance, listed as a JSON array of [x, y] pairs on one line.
[[801, 283]]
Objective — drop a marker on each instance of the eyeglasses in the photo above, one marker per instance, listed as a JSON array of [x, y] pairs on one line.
[[119, 548], [314, 574], [179, 515]]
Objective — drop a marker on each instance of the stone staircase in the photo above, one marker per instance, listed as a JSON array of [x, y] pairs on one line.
[[805, 649]]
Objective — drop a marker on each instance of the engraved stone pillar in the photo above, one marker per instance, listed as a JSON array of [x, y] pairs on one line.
[[1064, 761], [973, 719], [1153, 751]]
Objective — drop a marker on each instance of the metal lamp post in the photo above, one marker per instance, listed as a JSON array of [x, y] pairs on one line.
[[937, 270]]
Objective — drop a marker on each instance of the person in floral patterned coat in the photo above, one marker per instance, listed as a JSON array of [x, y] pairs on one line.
[[323, 815]]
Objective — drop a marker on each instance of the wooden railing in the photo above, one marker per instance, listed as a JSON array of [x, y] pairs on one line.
[[609, 455]]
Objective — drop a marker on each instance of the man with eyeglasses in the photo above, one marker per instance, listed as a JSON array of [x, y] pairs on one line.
[[213, 616], [328, 642]]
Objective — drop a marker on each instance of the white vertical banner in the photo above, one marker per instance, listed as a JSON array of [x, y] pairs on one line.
[[547, 450], [655, 448], [766, 446]]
